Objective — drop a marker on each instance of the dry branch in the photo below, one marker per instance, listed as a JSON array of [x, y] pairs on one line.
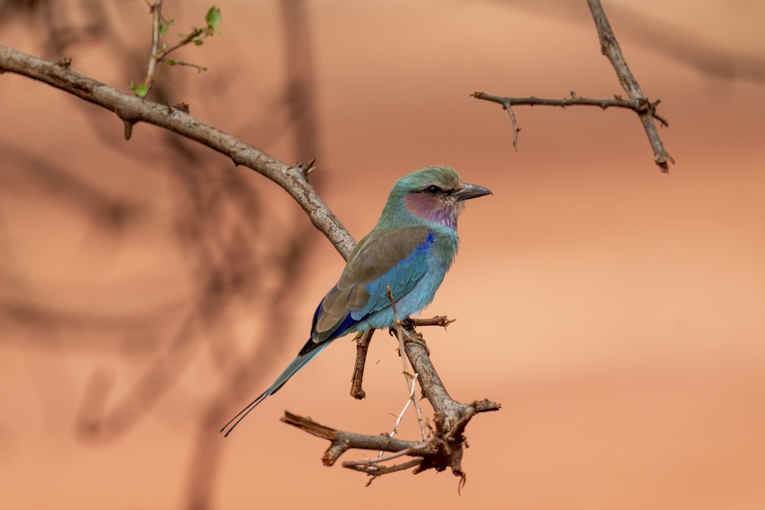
[[131, 110], [610, 48], [362, 347], [445, 447], [645, 109]]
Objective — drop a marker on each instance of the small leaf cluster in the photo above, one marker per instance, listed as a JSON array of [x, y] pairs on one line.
[[212, 21], [139, 90]]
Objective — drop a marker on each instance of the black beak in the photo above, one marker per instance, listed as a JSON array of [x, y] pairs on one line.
[[469, 191]]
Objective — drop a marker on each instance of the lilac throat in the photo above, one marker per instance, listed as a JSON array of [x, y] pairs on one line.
[[433, 209]]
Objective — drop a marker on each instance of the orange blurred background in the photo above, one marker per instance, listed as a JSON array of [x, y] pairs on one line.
[[616, 312]]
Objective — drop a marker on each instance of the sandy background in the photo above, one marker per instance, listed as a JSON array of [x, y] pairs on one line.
[[616, 312]]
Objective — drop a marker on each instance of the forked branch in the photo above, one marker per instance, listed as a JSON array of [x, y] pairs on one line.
[[645, 109]]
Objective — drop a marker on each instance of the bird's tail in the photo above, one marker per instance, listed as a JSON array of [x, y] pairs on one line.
[[292, 369], [244, 412]]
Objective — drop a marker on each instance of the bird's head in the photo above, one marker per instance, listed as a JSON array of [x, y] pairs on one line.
[[434, 194]]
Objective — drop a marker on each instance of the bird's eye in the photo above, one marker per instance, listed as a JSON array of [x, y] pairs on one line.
[[432, 189]]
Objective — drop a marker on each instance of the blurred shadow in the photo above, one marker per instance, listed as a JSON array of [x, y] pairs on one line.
[[233, 251]]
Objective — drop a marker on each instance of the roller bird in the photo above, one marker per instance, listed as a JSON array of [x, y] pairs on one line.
[[410, 250]]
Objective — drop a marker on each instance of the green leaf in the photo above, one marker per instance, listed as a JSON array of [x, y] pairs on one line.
[[213, 17], [199, 42], [163, 28], [171, 62], [132, 85], [141, 91]]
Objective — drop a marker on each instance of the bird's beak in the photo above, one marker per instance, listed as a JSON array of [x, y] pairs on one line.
[[469, 191]]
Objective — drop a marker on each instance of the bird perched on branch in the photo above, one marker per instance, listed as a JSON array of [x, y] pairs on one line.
[[410, 250]]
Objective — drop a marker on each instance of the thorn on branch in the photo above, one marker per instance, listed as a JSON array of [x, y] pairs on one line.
[[128, 128], [439, 320], [486, 406], [375, 471], [306, 169]]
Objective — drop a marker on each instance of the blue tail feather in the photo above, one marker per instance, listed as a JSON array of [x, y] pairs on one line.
[[252, 405], [293, 368], [309, 351]]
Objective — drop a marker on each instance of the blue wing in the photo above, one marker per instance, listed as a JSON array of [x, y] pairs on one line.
[[398, 259]]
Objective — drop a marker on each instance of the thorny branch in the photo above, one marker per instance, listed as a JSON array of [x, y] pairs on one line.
[[445, 447], [645, 109], [362, 347], [156, 22]]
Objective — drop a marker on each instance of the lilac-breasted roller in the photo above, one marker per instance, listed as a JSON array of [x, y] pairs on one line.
[[410, 249]]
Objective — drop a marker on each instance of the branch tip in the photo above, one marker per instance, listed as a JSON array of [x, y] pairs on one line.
[[128, 128]]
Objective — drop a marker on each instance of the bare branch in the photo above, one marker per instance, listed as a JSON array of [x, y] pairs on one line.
[[133, 109], [645, 109], [156, 22], [362, 346], [610, 48], [445, 447]]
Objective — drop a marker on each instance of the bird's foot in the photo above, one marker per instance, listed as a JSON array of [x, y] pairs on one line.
[[416, 338], [408, 324]]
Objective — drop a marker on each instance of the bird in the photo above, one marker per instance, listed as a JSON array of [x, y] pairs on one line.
[[410, 250]]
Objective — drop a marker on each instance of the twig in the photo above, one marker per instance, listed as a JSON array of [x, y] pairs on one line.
[[374, 471], [638, 105], [401, 414], [156, 11], [362, 346], [367, 462], [343, 441], [363, 339], [440, 320], [410, 379], [610, 49]]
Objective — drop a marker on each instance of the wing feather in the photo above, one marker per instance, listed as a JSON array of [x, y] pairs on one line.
[[396, 258]]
